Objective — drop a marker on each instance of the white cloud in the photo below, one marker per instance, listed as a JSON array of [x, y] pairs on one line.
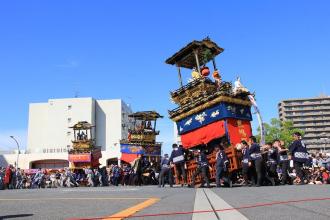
[[7, 144]]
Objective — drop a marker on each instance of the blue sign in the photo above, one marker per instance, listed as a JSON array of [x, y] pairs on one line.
[[137, 149], [213, 114]]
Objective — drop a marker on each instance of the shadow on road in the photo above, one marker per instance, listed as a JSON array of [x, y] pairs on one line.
[[15, 216]]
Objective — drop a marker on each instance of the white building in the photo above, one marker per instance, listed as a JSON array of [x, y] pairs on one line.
[[49, 135]]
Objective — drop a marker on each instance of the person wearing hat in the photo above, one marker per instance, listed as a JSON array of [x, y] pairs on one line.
[[203, 167], [165, 171], [299, 156]]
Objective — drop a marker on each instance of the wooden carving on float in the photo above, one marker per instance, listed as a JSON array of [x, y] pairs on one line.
[[84, 153], [142, 137]]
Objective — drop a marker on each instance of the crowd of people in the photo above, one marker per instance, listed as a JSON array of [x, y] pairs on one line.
[[271, 164], [140, 172]]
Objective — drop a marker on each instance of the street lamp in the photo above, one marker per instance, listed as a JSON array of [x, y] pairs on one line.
[[12, 137]]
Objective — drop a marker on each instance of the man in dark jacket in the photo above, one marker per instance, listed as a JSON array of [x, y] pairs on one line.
[[271, 163], [283, 161], [299, 155], [221, 166], [256, 159], [165, 172], [177, 159], [246, 163], [203, 167]]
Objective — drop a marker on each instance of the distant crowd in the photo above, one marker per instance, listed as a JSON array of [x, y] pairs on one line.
[[140, 173]]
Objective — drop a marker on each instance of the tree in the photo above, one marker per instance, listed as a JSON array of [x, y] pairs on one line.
[[279, 130]]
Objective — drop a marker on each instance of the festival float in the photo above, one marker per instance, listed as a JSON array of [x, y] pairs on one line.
[[209, 111], [141, 138], [84, 153]]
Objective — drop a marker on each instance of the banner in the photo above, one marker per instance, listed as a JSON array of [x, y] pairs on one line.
[[84, 157], [203, 135], [238, 130], [137, 149], [128, 158], [210, 115]]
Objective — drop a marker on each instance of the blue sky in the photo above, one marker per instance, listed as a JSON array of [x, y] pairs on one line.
[[108, 49]]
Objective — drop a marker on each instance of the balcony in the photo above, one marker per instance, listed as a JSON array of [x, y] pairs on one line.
[[317, 135], [306, 125], [305, 114], [314, 108], [306, 103], [304, 119], [324, 129]]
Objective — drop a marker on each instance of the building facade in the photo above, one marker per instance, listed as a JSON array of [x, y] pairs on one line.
[[312, 115], [50, 136]]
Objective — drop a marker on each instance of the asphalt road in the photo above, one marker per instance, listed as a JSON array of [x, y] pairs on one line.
[[280, 202]]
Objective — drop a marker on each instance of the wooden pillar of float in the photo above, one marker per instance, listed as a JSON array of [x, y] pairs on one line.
[[197, 61], [180, 77], [214, 64]]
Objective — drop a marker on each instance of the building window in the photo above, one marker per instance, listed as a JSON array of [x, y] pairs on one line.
[[69, 107], [68, 133], [69, 120]]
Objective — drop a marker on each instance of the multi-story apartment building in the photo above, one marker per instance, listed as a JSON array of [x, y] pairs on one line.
[[311, 115]]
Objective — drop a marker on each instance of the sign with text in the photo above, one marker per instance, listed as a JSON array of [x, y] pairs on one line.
[[85, 157]]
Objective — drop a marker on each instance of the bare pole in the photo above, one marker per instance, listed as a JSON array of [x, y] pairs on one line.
[[197, 61], [180, 77], [12, 137]]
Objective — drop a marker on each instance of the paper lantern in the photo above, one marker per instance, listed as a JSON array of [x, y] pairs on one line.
[[205, 71], [216, 74]]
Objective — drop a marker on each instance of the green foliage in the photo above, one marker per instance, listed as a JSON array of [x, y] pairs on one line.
[[279, 130]]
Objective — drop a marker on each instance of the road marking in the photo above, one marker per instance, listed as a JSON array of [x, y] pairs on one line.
[[43, 199], [206, 199], [202, 203], [121, 189], [220, 204], [132, 210]]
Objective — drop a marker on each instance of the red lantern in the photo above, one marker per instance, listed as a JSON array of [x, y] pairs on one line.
[[205, 71], [216, 74]]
